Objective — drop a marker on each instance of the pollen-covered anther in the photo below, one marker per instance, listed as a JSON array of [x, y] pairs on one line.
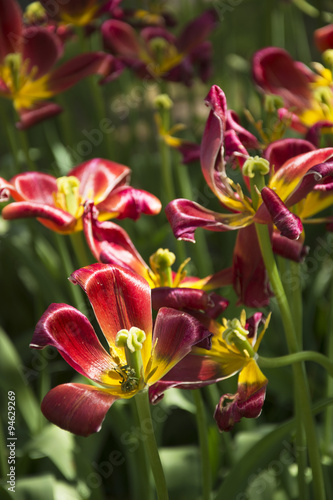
[[132, 339], [255, 165]]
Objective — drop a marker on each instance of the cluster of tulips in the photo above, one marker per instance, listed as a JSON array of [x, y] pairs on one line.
[[166, 329]]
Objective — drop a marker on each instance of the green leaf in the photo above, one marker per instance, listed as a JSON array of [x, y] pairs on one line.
[[56, 444], [12, 379], [34, 488]]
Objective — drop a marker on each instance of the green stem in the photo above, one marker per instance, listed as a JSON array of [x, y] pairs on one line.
[[146, 424], [328, 429], [300, 379], [204, 447], [297, 357], [80, 249], [26, 150]]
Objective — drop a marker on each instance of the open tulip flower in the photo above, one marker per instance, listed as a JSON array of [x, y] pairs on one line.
[[27, 59], [138, 354], [302, 184], [59, 203], [111, 244], [157, 53], [307, 95], [234, 350]]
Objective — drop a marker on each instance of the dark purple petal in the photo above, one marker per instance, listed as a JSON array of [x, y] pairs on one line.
[[288, 223], [315, 132], [278, 152], [69, 331], [11, 24], [197, 31], [120, 38], [233, 123], [289, 249], [41, 50], [188, 298], [77, 408]]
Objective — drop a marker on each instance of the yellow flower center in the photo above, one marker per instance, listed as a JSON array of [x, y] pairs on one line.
[[20, 83], [67, 197], [322, 97]]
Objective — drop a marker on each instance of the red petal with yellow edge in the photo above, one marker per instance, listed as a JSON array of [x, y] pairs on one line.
[[287, 179], [247, 402], [32, 116], [120, 299], [41, 50], [11, 24], [110, 243], [77, 408], [278, 152], [71, 72], [98, 177], [64, 327], [120, 38], [186, 216], [53, 218], [175, 333], [34, 186], [127, 201]]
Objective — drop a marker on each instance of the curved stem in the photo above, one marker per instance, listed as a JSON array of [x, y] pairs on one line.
[[297, 357], [204, 448], [146, 424], [300, 380], [328, 432]]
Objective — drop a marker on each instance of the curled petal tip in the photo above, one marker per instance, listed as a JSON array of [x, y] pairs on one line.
[[288, 223]]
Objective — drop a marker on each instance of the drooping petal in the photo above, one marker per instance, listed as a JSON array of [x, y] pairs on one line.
[[289, 176], [110, 243], [120, 299], [246, 138], [274, 71], [64, 327], [188, 298], [81, 66], [40, 112], [289, 249], [288, 223], [175, 333], [315, 132], [323, 37], [41, 50], [248, 400], [197, 31], [34, 186], [77, 408], [11, 24], [99, 177], [278, 152], [250, 278], [186, 216], [120, 38], [127, 201], [53, 218]]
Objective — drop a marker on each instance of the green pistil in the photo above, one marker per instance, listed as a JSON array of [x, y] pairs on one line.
[[132, 341], [273, 103], [161, 262], [14, 63], [235, 334], [69, 187], [255, 165]]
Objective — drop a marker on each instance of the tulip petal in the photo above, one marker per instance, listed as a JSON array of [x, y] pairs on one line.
[[71, 72], [323, 37], [288, 177], [275, 72], [278, 152], [250, 278], [99, 177], [34, 186], [40, 112], [67, 329], [196, 31], [248, 400], [41, 50], [188, 298], [288, 223], [127, 201], [315, 132], [175, 333], [120, 299], [77, 408], [120, 38], [111, 244], [289, 249], [11, 26], [186, 216], [53, 218]]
